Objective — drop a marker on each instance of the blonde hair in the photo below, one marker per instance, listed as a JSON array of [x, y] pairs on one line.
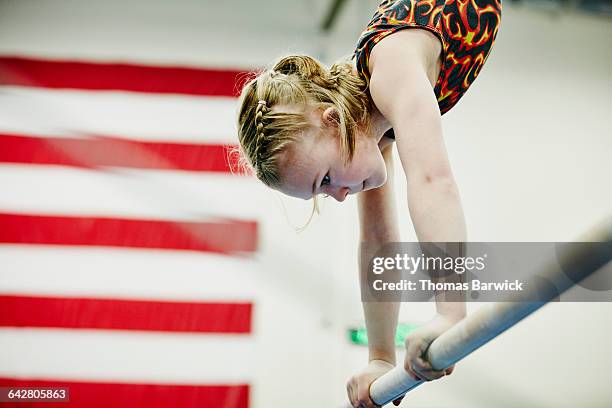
[[275, 105], [274, 108]]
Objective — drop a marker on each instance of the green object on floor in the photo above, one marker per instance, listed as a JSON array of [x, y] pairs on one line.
[[359, 335]]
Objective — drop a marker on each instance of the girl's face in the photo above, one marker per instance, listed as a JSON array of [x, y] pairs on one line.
[[315, 164]]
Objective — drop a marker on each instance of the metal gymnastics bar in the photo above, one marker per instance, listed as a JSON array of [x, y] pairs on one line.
[[577, 260]]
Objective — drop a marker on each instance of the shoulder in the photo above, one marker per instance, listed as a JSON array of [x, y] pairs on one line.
[[408, 46], [403, 76]]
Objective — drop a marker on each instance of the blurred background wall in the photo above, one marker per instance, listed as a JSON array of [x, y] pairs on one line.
[[530, 145]]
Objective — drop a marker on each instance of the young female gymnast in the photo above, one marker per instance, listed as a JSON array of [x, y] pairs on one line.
[[307, 130]]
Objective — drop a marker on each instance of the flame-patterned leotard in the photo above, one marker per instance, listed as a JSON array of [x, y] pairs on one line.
[[466, 29]]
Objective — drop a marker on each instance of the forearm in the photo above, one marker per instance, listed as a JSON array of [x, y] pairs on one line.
[[379, 225], [381, 323], [436, 211], [380, 317], [437, 216]]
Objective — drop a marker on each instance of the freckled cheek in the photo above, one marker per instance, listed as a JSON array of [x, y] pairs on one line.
[[369, 167]]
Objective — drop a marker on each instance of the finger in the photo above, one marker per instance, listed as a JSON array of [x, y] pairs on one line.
[[430, 375], [416, 353], [408, 368], [352, 395], [409, 361], [421, 364], [363, 396], [413, 348]]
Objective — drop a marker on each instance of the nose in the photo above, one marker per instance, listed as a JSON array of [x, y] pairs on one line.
[[340, 193]]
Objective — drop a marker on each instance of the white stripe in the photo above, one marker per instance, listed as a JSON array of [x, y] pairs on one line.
[[126, 356], [190, 33], [120, 114], [130, 193], [130, 274]]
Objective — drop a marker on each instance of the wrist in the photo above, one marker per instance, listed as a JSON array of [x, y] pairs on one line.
[[452, 316], [446, 320], [387, 357]]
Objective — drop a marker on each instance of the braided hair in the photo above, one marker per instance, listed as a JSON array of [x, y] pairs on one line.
[[275, 106], [260, 111]]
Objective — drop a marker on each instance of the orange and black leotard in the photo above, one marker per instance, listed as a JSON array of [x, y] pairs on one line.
[[466, 29]]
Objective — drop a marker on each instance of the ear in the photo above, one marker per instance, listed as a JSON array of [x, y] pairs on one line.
[[330, 116]]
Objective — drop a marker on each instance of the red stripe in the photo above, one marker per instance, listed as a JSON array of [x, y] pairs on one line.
[[109, 151], [125, 77], [113, 314], [117, 395], [225, 236]]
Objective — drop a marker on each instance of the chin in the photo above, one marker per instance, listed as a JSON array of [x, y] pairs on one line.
[[381, 178], [375, 182]]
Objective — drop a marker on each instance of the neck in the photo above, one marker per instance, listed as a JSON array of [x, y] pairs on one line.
[[378, 123]]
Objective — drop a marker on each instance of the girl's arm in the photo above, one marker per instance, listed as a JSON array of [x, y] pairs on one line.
[[401, 86], [378, 224]]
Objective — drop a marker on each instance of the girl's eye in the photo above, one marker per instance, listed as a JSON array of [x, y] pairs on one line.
[[326, 180]]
